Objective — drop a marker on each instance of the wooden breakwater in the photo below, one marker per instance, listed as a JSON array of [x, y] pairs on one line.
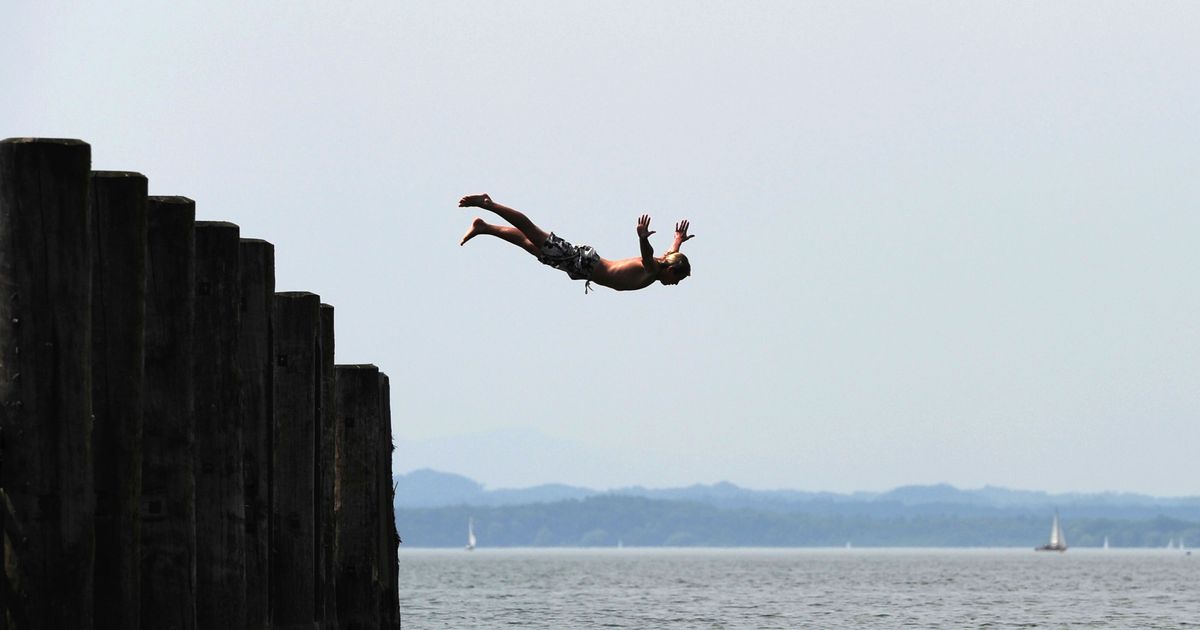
[[178, 449]]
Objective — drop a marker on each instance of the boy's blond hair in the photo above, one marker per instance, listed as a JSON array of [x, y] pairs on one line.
[[679, 263]]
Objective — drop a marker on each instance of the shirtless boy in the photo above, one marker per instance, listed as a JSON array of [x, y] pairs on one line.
[[582, 262]]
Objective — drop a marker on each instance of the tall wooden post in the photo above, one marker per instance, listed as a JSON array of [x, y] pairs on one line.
[[45, 373], [257, 273], [168, 430], [326, 449], [220, 505], [118, 316], [389, 540], [358, 411], [297, 382]]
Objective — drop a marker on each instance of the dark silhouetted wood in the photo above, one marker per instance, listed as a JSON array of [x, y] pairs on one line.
[[234, 477], [257, 272], [168, 430], [118, 317], [389, 541], [326, 449], [358, 409], [220, 490], [45, 373], [296, 331]]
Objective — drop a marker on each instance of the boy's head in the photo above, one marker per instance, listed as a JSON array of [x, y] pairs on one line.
[[675, 267]]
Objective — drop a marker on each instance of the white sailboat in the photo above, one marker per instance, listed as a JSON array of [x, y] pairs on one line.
[[470, 534], [1058, 542], [1106, 542]]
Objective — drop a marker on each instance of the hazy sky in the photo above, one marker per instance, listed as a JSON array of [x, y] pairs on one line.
[[936, 241]]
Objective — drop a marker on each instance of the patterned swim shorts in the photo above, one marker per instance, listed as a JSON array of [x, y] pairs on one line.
[[576, 260]]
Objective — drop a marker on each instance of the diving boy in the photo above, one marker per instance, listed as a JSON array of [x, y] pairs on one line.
[[581, 262]]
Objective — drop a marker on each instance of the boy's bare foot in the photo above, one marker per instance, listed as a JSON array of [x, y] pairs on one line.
[[476, 201], [477, 228]]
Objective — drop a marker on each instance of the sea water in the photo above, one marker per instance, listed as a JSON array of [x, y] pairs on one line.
[[798, 588]]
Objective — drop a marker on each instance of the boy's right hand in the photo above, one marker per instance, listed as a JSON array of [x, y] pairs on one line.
[[643, 228], [475, 201]]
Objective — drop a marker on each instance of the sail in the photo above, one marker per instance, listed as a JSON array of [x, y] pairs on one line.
[[1058, 542], [471, 533], [1055, 533]]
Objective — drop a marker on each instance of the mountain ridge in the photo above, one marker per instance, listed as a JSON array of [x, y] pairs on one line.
[[427, 488]]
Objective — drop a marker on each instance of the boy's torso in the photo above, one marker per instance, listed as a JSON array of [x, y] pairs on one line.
[[627, 274]]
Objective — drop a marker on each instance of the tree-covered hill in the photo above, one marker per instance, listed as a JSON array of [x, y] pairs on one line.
[[608, 520], [431, 489]]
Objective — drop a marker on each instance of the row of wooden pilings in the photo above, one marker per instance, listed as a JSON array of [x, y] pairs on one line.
[[178, 449]]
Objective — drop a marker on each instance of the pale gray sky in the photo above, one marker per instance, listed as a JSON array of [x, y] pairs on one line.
[[937, 241]]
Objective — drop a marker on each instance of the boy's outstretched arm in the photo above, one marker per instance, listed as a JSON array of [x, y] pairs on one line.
[[644, 232], [681, 236]]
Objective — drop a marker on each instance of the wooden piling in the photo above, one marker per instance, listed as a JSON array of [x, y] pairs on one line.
[[220, 490], [168, 477], [358, 408], [326, 449], [297, 382], [118, 203], [389, 540], [45, 374], [257, 273]]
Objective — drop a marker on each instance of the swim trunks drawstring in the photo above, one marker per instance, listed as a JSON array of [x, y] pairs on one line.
[[587, 286]]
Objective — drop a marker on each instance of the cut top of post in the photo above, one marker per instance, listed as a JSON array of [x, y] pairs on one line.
[[357, 366], [117, 174], [171, 199], [63, 141], [216, 224]]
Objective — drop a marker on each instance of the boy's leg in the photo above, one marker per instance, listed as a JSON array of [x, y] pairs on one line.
[[518, 219], [512, 235]]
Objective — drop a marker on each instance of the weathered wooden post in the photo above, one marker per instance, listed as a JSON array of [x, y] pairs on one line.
[[389, 541], [220, 505], [118, 316], [45, 373], [168, 429], [257, 273], [358, 411], [297, 381], [326, 449]]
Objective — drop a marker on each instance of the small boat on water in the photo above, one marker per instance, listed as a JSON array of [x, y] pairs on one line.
[[1106, 542], [470, 534], [1058, 542]]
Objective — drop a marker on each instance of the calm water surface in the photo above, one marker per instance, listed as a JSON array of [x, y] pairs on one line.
[[774, 588]]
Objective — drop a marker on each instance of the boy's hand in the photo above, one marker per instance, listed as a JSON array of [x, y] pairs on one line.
[[477, 201], [681, 235], [643, 228]]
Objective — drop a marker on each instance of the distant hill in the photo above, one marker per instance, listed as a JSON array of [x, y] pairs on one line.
[[610, 520], [431, 489]]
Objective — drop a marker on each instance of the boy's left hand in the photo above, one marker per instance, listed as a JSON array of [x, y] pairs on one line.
[[681, 234], [643, 226]]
